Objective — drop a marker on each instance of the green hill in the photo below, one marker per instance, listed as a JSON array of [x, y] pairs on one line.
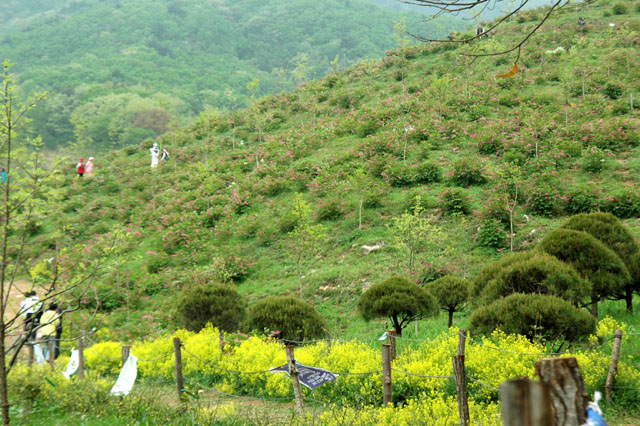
[[420, 122], [120, 71]]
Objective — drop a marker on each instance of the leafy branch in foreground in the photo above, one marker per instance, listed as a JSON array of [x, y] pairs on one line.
[[455, 7]]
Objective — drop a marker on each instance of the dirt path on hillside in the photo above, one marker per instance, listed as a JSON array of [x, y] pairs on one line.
[[16, 296]]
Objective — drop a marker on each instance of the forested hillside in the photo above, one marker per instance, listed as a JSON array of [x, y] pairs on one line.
[[120, 71]]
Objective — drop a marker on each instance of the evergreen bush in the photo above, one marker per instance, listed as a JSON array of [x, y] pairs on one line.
[[218, 304], [536, 316], [452, 294], [534, 272], [295, 319], [591, 259]]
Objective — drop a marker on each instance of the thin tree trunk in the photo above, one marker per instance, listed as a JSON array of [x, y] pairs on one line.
[[450, 319], [594, 307], [628, 298]]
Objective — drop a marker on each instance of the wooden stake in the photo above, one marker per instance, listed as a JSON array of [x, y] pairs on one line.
[[328, 345], [462, 340], [461, 388], [392, 341], [615, 356], [178, 364], [126, 349], [568, 395], [525, 403], [387, 393], [81, 357], [293, 373]]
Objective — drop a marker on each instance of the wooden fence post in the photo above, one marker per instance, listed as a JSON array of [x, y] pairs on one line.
[[126, 349], [392, 341], [293, 373], [460, 377], [462, 340], [178, 366], [328, 345], [525, 403], [615, 356], [564, 380], [81, 357], [387, 393]]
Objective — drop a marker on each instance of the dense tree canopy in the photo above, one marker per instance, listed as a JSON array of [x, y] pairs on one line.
[[608, 229], [592, 259], [295, 319], [534, 316], [536, 273], [218, 304], [452, 294], [399, 299]]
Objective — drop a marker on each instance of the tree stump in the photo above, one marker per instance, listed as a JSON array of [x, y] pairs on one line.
[[569, 399]]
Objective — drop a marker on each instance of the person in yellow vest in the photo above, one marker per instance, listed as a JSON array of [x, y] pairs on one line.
[[48, 324]]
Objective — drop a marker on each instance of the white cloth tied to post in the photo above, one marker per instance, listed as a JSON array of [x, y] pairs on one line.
[[127, 377], [74, 362]]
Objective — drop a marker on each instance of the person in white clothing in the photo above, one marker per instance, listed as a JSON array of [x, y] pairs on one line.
[[28, 311], [155, 151]]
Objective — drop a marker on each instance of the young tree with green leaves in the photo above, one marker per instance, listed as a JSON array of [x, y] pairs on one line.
[[28, 192], [399, 299], [304, 239], [416, 233], [361, 183]]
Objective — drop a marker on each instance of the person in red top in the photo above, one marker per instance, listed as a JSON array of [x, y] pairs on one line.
[[80, 167]]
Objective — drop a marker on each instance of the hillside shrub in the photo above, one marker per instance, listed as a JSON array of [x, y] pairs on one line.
[[418, 195], [230, 268], [533, 272], [613, 90], [452, 294], [619, 9], [496, 207], [594, 160], [489, 145], [536, 316], [543, 200], [491, 234], [582, 200], [218, 304], [467, 172], [623, 204], [613, 133], [331, 209], [399, 174], [455, 202], [398, 299], [296, 320]]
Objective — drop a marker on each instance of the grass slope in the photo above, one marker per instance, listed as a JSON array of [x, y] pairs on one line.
[[222, 206]]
